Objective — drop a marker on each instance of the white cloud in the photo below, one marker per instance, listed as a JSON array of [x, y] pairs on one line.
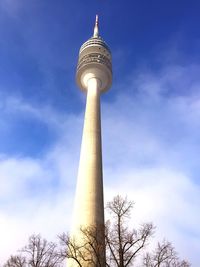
[[36, 194], [35, 197]]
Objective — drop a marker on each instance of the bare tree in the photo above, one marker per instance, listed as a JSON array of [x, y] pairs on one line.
[[41, 253], [15, 261], [164, 256], [123, 244]]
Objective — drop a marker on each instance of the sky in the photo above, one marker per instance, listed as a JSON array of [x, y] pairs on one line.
[[150, 116]]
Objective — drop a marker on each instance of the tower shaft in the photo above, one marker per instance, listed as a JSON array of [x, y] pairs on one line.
[[89, 209]]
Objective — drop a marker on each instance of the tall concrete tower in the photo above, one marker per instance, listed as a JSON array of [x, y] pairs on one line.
[[93, 76]]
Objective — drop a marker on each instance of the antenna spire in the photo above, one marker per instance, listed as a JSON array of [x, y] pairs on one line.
[[96, 28]]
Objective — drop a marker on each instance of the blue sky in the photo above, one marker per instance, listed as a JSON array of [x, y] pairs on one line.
[[150, 117]]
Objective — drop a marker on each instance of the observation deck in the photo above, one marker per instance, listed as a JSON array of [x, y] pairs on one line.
[[94, 61]]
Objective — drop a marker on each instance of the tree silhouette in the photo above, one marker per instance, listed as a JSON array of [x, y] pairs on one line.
[[164, 256], [37, 253]]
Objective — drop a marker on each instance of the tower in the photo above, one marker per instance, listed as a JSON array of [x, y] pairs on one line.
[[93, 76]]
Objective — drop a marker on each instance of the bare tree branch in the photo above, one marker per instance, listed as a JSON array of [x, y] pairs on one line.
[[164, 256], [15, 261], [41, 253], [124, 244]]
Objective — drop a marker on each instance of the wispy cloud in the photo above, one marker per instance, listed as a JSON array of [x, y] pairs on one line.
[[154, 136]]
